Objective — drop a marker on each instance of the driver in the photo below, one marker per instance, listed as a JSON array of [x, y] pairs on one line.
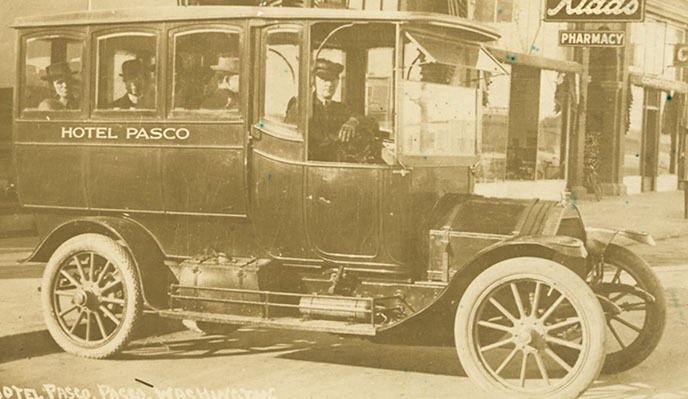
[[332, 123]]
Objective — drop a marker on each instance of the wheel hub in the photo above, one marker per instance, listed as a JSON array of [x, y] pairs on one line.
[[86, 298], [529, 333]]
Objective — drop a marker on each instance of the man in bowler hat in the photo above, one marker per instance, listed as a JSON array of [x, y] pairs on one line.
[[224, 85], [62, 80], [135, 77]]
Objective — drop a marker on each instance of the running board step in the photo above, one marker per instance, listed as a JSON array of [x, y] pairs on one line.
[[289, 323]]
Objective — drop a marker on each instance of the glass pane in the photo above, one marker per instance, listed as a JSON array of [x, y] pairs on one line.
[[674, 36], [438, 119], [282, 77], [495, 130], [554, 90], [52, 70], [379, 84], [126, 71], [668, 145], [522, 150], [438, 106], [485, 10], [633, 140], [505, 10], [206, 72], [638, 46]]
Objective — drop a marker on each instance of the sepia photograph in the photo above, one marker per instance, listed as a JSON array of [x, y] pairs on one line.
[[339, 199]]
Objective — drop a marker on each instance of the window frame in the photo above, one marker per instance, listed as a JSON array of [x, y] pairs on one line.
[[153, 30], [79, 34], [431, 160], [196, 115], [390, 145], [276, 128]]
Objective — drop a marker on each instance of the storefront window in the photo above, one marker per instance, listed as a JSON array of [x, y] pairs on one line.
[[674, 36], [668, 139], [554, 92], [525, 125], [495, 128], [633, 140], [648, 56], [522, 29], [494, 10]]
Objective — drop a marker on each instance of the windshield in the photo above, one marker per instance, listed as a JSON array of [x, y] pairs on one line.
[[440, 98]]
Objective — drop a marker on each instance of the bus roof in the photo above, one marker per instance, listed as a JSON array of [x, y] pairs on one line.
[[476, 30]]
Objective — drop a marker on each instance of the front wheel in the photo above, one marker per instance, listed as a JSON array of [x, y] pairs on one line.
[[519, 320], [91, 296]]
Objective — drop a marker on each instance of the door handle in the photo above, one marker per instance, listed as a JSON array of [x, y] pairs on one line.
[[255, 134], [401, 172]]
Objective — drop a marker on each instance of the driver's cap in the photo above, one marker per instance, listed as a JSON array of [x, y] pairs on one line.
[[326, 69]]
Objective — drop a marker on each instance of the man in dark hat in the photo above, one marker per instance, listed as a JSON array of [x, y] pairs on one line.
[[332, 123], [225, 85], [135, 77], [62, 80]]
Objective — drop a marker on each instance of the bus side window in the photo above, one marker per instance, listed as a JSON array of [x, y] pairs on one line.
[[52, 74], [207, 67], [282, 76], [126, 71]]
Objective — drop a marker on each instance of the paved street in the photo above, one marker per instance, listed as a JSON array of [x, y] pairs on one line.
[[284, 364]]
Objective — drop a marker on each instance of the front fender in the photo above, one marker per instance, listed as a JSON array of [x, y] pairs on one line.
[[598, 239], [132, 236], [439, 313]]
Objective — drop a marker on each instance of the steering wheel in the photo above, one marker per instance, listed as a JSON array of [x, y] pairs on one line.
[[364, 147]]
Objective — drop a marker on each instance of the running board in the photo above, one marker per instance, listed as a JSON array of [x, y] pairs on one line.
[[289, 323]]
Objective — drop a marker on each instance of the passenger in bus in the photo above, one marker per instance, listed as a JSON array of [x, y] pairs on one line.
[[61, 78], [224, 85], [136, 81], [332, 122]]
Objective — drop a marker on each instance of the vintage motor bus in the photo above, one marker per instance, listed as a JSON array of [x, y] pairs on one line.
[[168, 155]]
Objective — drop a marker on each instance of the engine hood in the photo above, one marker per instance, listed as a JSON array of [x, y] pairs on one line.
[[498, 216]]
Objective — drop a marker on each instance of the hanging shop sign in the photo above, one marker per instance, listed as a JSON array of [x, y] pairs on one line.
[[681, 55], [600, 38], [594, 10]]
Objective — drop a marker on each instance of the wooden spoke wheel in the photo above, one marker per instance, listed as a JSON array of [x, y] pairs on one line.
[[635, 308], [530, 328], [91, 296]]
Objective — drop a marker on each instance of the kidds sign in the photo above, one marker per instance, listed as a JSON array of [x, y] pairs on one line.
[[594, 10]]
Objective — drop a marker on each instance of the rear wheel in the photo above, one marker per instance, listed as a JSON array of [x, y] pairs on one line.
[[635, 308], [91, 296], [517, 323]]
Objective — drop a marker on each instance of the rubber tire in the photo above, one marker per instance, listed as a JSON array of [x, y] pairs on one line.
[[208, 328], [649, 338], [567, 282], [116, 254]]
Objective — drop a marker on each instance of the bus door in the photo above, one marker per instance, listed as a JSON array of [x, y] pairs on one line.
[[276, 154]]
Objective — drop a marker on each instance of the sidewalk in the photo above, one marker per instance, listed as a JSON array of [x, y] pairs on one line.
[[660, 214]]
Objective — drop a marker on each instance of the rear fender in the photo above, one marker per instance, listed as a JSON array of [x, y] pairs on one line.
[[136, 239], [598, 239]]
